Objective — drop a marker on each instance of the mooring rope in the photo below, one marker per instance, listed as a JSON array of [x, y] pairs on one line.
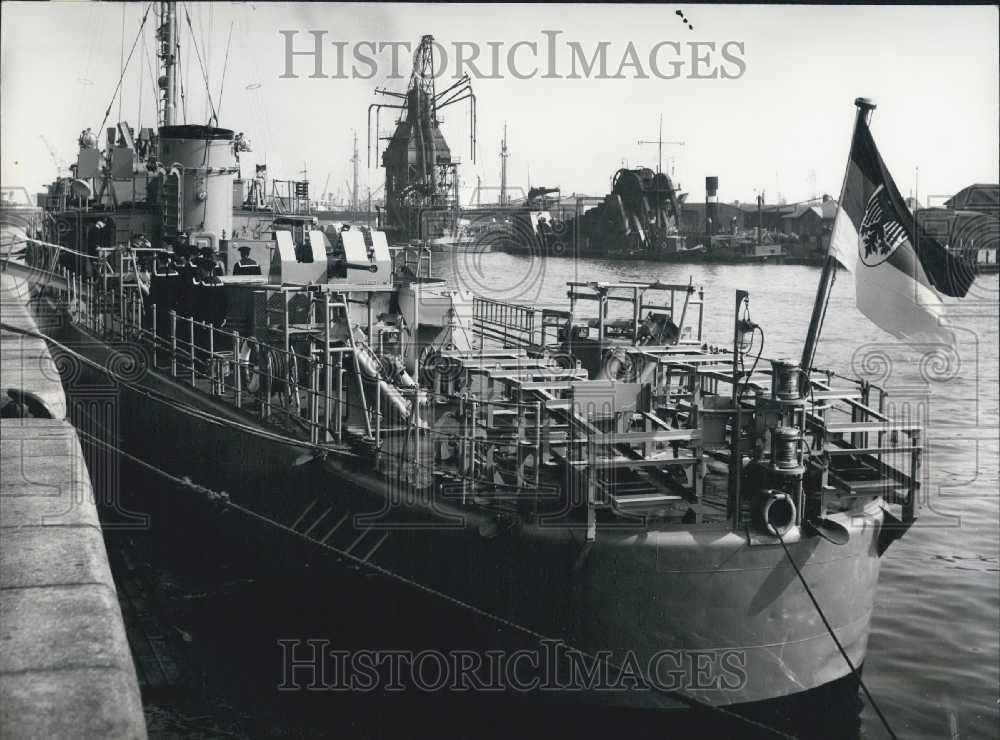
[[324, 451], [319, 450], [28, 239], [840, 647], [222, 498]]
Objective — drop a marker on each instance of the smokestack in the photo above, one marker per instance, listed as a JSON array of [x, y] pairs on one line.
[[711, 203]]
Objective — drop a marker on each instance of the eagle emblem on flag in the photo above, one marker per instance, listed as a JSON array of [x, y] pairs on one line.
[[881, 233]]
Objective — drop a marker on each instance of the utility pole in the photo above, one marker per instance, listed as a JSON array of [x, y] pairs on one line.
[[659, 143], [760, 217], [354, 182], [504, 153]]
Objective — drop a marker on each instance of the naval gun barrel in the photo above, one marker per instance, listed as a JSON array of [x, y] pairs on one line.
[[344, 265]]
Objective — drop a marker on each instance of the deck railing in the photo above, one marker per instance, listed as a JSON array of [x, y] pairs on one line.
[[537, 409], [510, 325]]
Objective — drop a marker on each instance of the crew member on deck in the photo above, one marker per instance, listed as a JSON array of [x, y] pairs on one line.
[[206, 267], [179, 263], [247, 264], [163, 265], [164, 286], [210, 304]]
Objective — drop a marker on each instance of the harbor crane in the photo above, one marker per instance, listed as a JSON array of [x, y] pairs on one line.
[[419, 170], [326, 188], [61, 167]]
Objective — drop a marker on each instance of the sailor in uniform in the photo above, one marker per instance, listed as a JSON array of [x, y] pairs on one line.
[[212, 299], [178, 263], [186, 284], [163, 287], [162, 264], [205, 265], [247, 265]]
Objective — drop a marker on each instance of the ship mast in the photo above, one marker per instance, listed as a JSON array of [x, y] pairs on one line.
[[166, 35], [354, 182], [865, 107], [504, 153]]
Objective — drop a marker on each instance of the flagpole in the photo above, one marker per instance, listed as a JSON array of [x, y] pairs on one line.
[[829, 275]]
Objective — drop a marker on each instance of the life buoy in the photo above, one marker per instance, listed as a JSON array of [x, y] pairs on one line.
[[777, 513], [249, 375], [618, 366]]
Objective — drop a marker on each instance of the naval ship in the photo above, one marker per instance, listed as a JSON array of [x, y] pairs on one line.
[[601, 474]]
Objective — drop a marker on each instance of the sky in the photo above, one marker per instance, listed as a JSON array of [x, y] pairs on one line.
[[776, 117]]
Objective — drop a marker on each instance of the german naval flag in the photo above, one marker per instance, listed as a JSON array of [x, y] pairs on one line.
[[898, 271]]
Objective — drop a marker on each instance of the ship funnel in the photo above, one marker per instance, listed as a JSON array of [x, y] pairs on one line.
[[711, 204], [197, 198]]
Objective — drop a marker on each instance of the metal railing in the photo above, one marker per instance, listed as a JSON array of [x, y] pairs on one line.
[[240, 370], [508, 324], [306, 392]]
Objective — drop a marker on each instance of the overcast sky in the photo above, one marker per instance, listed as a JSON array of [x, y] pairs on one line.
[[777, 116]]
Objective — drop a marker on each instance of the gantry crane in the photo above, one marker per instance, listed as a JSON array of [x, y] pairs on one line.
[[420, 174], [61, 167]]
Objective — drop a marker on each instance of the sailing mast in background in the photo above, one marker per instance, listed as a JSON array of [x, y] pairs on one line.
[[355, 204], [504, 154]]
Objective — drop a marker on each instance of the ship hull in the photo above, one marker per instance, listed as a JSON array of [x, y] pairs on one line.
[[713, 613]]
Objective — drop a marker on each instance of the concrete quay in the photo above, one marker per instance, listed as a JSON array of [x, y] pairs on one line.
[[65, 666]]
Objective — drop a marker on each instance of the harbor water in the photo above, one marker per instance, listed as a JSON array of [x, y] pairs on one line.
[[932, 655]]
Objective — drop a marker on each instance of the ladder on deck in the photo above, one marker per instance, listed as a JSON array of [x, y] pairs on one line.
[[324, 311]]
